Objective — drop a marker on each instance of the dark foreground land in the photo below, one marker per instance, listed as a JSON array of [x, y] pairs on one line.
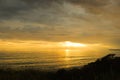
[[106, 68]]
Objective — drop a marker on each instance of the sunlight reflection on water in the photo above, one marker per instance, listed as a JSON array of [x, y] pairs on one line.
[[47, 60]]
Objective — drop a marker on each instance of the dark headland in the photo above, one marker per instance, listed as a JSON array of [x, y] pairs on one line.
[[105, 68]]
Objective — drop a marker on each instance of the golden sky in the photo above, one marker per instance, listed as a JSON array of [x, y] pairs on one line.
[[53, 21]]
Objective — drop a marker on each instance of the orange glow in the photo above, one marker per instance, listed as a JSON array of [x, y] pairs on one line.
[[72, 44], [38, 46]]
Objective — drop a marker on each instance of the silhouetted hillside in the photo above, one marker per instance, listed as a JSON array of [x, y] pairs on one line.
[[106, 68]]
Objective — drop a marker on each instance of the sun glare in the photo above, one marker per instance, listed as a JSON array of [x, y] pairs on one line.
[[72, 44]]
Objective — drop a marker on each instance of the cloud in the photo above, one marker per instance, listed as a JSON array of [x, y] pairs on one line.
[[90, 2], [86, 21], [13, 8]]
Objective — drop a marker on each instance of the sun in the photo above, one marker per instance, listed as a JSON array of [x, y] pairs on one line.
[[73, 44]]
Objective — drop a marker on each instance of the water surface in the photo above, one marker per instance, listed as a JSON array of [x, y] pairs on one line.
[[47, 60]]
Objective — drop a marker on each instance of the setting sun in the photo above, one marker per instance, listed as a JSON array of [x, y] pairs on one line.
[[72, 44]]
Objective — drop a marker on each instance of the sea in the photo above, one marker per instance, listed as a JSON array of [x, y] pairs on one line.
[[47, 60]]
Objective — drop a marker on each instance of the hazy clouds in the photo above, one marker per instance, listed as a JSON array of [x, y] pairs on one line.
[[88, 21]]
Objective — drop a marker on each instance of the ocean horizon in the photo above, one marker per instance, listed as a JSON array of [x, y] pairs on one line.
[[45, 60]]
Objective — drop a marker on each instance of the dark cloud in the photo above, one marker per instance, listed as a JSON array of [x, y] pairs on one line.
[[9, 7], [13, 8], [90, 2]]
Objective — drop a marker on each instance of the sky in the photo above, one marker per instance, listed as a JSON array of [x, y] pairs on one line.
[[81, 21]]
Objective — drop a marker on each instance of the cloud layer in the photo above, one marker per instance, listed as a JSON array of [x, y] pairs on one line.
[[88, 21]]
